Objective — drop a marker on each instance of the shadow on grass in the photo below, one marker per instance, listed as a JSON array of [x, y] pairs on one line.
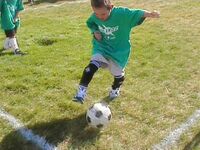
[[194, 143], [74, 132], [107, 100], [3, 52], [11, 54]]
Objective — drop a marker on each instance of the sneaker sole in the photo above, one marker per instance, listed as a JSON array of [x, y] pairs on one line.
[[78, 100]]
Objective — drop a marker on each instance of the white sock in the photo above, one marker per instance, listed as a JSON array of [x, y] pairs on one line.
[[13, 43], [6, 44]]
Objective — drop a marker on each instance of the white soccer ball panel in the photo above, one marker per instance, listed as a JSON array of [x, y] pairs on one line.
[[98, 115]]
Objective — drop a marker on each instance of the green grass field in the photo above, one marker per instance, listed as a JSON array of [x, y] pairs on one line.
[[161, 90]]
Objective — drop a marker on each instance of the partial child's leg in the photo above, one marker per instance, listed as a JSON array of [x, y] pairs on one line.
[[88, 73], [86, 78], [12, 41], [115, 91], [118, 81], [9, 34], [6, 44], [118, 73]]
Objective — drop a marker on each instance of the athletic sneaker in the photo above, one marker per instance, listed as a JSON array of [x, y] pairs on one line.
[[80, 95], [18, 52], [114, 93]]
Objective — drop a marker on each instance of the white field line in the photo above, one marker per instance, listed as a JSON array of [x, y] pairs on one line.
[[174, 136], [55, 5], [26, 133]]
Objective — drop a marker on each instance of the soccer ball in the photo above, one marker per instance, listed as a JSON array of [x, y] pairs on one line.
[[99, 115]]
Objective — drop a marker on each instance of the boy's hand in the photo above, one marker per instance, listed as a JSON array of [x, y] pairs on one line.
[[97, 36], [153, 14], [16, 19]]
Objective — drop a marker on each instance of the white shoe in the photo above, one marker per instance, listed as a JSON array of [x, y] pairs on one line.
[[114, 93], [81, 94]]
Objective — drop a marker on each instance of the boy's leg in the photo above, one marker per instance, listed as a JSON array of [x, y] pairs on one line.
[[12, 41], [118, 81], [6, 44], [87, 76], [88, 73], [115, 91], [118, 74], [9, 34]]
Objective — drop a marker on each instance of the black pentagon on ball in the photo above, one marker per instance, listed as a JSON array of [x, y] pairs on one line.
[[100, 126], [109, 117], [88, 119], [98, 114]]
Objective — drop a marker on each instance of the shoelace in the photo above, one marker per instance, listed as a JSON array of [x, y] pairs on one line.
[[82, 92]]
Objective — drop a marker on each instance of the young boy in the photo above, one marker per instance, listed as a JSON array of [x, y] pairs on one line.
[[111, 27], [10, 22]]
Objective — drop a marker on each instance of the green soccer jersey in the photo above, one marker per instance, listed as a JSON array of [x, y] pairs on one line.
[[115, 31], [9, 9]]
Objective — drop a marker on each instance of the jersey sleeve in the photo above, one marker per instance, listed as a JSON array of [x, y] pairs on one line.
[[92, 25], [1, 1], [134, 16], [20, 6]]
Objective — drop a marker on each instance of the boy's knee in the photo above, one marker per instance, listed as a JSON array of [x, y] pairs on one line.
[[91, 68]]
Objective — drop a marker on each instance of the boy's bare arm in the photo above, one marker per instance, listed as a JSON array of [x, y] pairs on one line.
[[153, 14], [97, 36], [16, 17]]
